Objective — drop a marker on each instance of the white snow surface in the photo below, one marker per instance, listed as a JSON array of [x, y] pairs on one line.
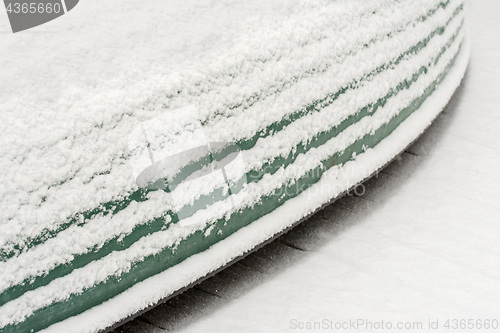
[[427, 249], [432, 243]]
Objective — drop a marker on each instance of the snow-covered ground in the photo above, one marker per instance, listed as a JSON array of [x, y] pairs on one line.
[[420, 247]]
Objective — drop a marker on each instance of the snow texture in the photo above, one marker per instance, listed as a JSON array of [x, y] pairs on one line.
[[260, 230], [68, 122]]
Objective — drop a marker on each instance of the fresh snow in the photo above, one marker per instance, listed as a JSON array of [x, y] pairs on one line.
[[137, 296], [35, 155]]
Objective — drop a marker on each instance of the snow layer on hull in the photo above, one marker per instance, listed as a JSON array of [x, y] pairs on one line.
[[152, 290], [306, 108]]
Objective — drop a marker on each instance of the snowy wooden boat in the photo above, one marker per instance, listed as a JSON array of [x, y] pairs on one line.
[[110, 213]]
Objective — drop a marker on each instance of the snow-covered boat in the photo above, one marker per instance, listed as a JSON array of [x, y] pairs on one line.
[[124, 190]]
